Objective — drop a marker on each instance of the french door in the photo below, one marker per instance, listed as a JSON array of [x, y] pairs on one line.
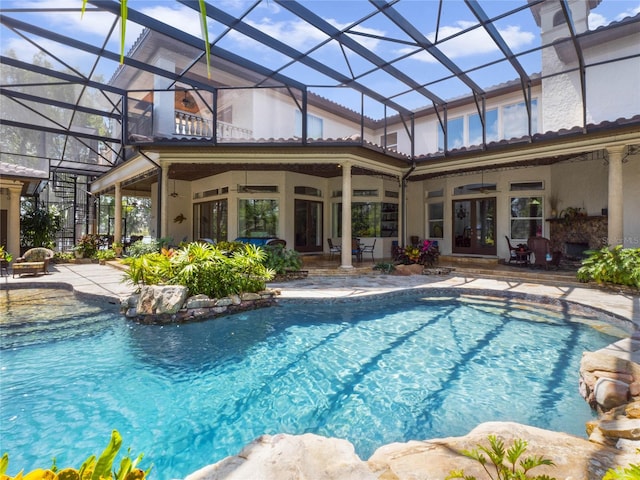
[[308, 226], [474, 226]]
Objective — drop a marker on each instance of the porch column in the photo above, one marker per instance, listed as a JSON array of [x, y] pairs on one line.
[[346, 216], [117, 222], [164, 222], [13, 222], [615, 230]]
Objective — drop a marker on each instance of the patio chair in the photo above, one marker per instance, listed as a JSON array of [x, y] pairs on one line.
[[333, 249], [356, 249], [369, 249], [541, 249], [518, 254]]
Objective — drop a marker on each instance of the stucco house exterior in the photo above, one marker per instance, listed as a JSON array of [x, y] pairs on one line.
[[240, 160]]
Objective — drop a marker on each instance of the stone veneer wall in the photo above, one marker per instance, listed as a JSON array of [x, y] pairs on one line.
[[581, 229]]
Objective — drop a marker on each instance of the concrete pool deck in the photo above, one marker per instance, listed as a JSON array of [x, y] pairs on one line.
[[326, 284]]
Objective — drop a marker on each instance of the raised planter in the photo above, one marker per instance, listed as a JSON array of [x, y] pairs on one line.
[[170, 304]]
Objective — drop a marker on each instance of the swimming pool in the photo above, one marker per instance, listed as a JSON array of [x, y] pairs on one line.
[[392, 369]]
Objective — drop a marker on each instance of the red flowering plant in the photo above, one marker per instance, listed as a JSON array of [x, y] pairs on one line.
[[429, 253], [426, 253]]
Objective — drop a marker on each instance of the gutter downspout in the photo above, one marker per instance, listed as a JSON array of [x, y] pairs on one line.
[[403, 205]]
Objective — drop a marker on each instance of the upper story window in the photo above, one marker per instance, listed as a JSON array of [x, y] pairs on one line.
[[390, 140], [312, 191], [314, 125], [475, 127], [514, 119], [455, 138], [467, 130]]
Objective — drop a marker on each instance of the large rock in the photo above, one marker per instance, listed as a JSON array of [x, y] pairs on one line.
[[290, 457], [158, 300], [311, 457], [610, 393], [574, 458]]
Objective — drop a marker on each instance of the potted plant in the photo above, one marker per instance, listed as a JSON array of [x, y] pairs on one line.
[[117, 248], [5, 259], [87, 246]]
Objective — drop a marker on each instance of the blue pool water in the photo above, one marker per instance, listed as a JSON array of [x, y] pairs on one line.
[[406, 367]]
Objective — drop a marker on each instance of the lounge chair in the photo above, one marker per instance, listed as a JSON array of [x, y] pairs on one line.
[[33, 261]]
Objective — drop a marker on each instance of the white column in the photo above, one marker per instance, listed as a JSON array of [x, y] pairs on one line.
[[164, 204], [117, 221], [346, 216], [13, 220], [615, 231]]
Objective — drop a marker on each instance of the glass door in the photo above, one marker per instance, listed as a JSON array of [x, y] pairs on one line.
[[474, 226], [308, 226]]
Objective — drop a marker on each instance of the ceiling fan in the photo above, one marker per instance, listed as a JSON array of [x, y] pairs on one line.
[[174, 194], [485, 189]]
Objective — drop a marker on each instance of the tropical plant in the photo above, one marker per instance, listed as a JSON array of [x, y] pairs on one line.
[[385, 267], [203, 269], [108, 254], [140, 248], [4, 255], [632, 472], [616, 265], [426, 253], [507, 463], [91, 469], [281, 260], [123, 28], [39, 225], [87, 245]]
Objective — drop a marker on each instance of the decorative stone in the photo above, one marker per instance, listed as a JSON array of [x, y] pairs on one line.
[[159, 300], [632, 410], [280, 457], [621, 428], [235, 299], [610, 393], [574, 458], [405, 270], [311, 457], [599, 361], [250, 297], [623, 377], [200, 301], [626, 445], [224, 302], [634, 389]]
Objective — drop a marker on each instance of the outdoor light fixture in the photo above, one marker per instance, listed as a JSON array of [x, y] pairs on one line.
[[461, 213], [187, 102]]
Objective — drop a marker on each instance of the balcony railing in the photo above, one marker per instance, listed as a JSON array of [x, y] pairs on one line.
[[190, 125]]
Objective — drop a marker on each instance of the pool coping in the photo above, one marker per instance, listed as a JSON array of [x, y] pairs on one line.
[[106, 282]]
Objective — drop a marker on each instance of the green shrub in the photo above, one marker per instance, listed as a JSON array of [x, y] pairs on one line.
[[203, 269], [617, 265], [107, 254], [90, 469], [385, 267], [140, 248], [507, 463], [281, 260]]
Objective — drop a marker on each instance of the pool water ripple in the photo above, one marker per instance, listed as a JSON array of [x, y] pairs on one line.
[[387, 370]]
